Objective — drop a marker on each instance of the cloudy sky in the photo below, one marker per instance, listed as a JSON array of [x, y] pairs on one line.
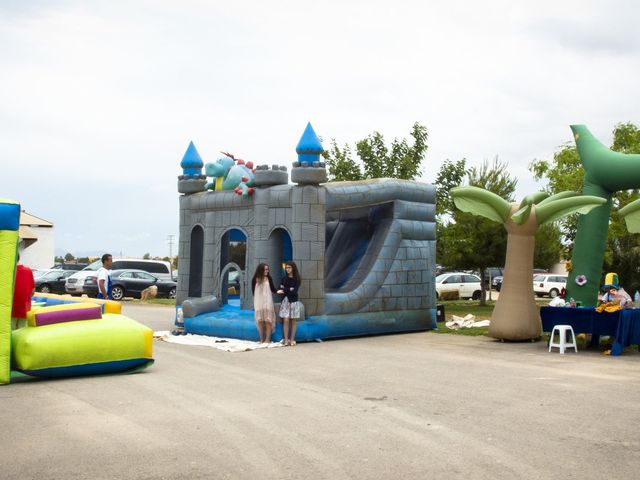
[[99, 99]]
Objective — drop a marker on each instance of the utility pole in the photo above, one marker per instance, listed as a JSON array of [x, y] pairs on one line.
[[170, 240]]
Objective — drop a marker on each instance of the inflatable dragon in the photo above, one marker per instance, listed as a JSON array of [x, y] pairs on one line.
[[230, 173]]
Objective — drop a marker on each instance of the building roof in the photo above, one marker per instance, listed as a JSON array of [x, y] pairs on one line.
[[26, 219], [26, 233]]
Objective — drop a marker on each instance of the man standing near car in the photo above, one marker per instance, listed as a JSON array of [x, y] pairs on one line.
[[104, 277]]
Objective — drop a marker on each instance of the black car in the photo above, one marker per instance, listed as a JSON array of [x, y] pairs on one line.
[[131, 283], [52, 281], [490, 273]]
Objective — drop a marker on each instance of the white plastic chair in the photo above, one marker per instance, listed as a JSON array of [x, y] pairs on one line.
[[562, 343]]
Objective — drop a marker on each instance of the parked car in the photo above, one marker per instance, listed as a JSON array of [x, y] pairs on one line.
[[52, 281], [496, 283], [550, 284], [69, 266], [466, 284], [131, 283], [40, 272], [77, 282], [490, 273]]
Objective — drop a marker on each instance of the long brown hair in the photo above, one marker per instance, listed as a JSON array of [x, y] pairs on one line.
[[294, 271], [259, 275]]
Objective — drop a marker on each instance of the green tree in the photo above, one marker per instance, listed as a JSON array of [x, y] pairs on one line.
[[376, 159], [564, 173], [450, 175], [68, 257], [549, 249], [146, 256], [473, 242], [341, 165]]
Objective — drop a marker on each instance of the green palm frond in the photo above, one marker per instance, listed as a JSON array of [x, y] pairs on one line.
[[556, 209], [558, 196], [522, 215], [534, 198], [479, 201], [631, 215]]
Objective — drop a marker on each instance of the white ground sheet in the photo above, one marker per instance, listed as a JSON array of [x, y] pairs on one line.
[[226, 344], [468, 321]]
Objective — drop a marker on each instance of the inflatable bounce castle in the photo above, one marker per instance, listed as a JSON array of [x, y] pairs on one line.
[[64, 336], [365, 250]]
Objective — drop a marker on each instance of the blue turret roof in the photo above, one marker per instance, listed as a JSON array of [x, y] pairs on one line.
[[191, 158], [309, 142]]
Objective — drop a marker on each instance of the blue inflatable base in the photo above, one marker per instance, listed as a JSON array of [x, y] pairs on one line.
[[116, 366], [232, 322]]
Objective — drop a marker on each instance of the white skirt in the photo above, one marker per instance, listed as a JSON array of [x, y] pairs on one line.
[[290, 310]]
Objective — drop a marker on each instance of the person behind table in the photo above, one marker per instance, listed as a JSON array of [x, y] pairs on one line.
[[23, 290], [613, 291], [104, 277], [290, 307], [264, 310]]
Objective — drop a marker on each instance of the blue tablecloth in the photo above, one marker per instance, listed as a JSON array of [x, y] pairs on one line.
[[624, 324]]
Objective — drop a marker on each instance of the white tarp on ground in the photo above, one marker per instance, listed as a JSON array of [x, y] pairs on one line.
[[226, 344], [468, 321]]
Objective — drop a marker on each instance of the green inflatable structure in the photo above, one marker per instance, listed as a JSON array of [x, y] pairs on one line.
[[515, 316], [9, 223], [605, 172]]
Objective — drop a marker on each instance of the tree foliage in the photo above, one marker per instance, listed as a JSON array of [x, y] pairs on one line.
[[377, 160], [470, 241], [450, 175], [548, 250]]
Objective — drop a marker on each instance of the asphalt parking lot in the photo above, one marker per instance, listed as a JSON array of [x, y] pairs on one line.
[[397, 406]]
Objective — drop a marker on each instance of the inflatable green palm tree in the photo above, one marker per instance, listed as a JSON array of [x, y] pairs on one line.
[[515, 316], [605, 172]]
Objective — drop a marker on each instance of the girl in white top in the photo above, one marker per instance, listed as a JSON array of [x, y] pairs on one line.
[[264, 312]]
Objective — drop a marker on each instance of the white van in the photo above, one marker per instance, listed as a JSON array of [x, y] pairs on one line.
[[76, 282], [549, 284]]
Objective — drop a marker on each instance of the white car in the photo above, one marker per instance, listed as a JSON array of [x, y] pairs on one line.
[[467, 285], [550, 284]]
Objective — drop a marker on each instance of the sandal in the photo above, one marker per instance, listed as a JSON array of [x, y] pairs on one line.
[[292, 343]]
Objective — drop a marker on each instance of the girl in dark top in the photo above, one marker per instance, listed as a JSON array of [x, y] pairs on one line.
[[264, 313], [290, 307]]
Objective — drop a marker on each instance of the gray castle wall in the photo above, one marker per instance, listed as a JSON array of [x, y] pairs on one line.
[[402, 266], [297, 210]]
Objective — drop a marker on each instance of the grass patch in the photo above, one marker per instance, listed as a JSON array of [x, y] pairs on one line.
[[461, 308], [156, 301]]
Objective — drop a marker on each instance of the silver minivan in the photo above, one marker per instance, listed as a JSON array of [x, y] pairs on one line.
[[87, 276]]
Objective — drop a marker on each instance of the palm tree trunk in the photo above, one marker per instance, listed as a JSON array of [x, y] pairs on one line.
[[516, 316]]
